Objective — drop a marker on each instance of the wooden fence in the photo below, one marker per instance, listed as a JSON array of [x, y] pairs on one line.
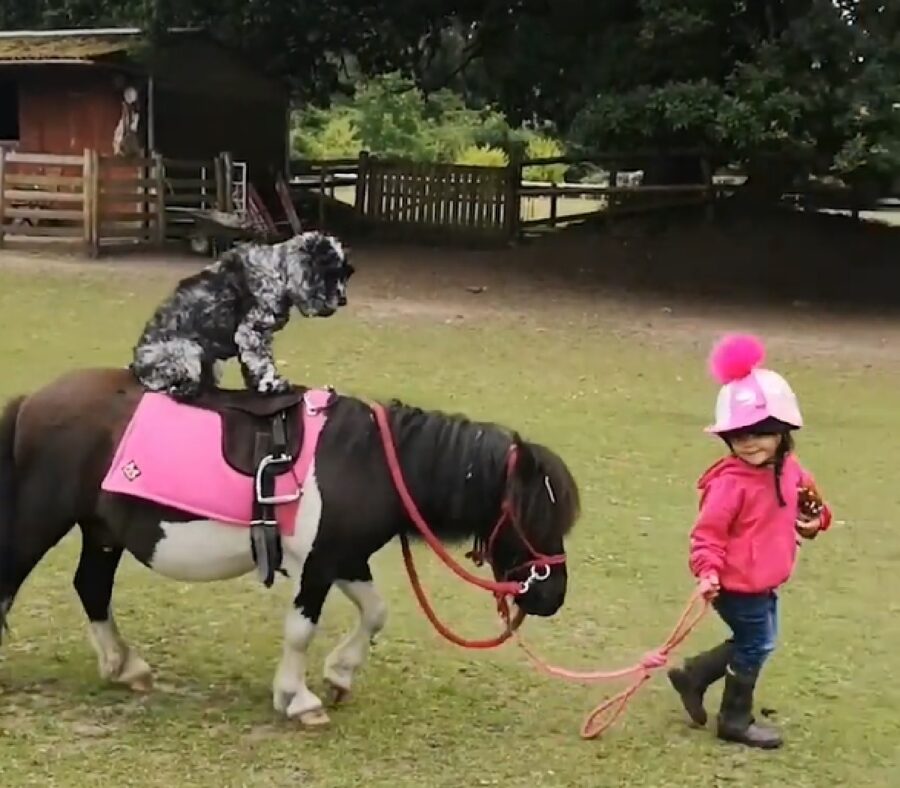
[[45, 196], [99, 201], [449, 201], [444, 200]]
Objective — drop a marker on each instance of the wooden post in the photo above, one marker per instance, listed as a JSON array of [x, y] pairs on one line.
[[87, 202], [513, 197], [706, 168], [553, 206], [94, 199], [323, 179], [224, 167], [219, 170], [611, 202], [362, 183], [159, 174], [2, 192]]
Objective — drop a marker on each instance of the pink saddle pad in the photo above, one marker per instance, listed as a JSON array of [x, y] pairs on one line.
[[171, 453]]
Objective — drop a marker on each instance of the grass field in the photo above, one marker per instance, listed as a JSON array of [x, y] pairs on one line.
[[624, 403]]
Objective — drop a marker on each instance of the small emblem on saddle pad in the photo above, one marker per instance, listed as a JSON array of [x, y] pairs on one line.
[[131, 471]]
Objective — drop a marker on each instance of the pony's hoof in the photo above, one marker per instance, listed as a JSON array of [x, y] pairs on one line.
[[336, 695], [314, 718], [281, 701], [136, 674], [142, 684]]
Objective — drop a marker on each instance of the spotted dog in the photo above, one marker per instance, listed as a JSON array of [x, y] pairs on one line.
[[233, 307]]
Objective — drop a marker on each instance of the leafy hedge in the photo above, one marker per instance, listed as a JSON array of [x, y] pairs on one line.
[[390, 116]]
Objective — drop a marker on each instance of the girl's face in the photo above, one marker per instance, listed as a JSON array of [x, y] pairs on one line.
[[756, 450]]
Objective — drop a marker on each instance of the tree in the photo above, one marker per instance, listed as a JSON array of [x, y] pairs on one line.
[[786, 87]]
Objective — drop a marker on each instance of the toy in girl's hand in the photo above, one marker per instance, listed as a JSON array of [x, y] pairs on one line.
[[809, 503], [810, 507]]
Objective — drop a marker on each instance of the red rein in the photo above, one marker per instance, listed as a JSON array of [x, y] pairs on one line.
[[606, 713]]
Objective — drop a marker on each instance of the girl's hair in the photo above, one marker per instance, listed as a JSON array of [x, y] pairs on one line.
[[769, 426]]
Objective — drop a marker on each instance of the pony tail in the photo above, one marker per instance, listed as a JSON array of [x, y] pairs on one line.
[[7, 504], [735, 356]]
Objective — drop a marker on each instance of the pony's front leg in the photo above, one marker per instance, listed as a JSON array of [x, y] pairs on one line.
[[291, 696], [116, 660], [342, 663]]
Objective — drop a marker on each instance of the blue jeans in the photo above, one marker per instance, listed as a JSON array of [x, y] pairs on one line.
[[753, 619]]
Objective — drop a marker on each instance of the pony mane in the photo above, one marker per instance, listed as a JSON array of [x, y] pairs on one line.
[[456, 470]]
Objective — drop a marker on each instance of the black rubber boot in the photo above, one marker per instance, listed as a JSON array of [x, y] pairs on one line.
[[692, 680], [736, 722]]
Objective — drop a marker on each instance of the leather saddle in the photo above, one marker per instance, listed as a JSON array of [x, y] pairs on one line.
[[249, 422], [261, 438]]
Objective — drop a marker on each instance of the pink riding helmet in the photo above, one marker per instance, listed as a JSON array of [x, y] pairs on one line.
[[749, 393]]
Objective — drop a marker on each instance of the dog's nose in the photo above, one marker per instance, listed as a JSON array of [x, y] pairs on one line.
[[342, 301]]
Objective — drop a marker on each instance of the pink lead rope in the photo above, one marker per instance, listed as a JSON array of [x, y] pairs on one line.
[[604, 715]]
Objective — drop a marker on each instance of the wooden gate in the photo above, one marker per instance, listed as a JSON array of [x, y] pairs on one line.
[[44, 196], [143, 200], [129, 206], [438, 200]]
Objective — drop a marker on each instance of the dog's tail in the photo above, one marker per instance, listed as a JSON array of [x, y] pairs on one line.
[[7, 505]]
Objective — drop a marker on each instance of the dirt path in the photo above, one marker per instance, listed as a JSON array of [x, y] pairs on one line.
[[826, 287]]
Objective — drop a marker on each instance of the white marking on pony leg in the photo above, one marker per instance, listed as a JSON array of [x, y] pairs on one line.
[[202, 550], [298, 545], [342, 663], [290, 695], [116, 660]]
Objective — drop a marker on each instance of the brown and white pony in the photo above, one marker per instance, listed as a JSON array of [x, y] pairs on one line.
[[57, 444]]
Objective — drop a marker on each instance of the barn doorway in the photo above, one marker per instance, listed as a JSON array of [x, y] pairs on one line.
[[9, 111]]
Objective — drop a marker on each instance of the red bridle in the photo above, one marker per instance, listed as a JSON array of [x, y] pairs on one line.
[[539, 564], [483, 549]]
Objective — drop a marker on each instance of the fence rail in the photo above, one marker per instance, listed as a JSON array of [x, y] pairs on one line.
[[97, 200]]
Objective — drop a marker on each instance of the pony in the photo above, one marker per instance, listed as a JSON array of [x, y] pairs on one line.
[[57, 445]]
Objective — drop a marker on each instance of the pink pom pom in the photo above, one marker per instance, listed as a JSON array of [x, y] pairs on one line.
[[735, 356]]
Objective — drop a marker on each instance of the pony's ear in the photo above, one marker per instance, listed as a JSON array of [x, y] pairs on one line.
[[526, 462]]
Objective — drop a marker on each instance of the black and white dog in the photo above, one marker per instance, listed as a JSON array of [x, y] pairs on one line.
[[233, 307]]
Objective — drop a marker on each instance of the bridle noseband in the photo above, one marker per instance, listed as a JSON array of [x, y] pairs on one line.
[[539, 565]]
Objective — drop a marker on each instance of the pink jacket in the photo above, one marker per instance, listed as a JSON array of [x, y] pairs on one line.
[[741, 533]]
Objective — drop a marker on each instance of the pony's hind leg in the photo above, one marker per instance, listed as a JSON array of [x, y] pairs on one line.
[[20, 552], [93, 581], [342, 663], [291, 695]]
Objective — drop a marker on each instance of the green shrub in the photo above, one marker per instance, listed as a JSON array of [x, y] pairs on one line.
[[541, 147], [338, 138], [482, 156]]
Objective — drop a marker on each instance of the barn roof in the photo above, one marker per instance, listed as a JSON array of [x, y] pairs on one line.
[[67, 46], [188, 60]]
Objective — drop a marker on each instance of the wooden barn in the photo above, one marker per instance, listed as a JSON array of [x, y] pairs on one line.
[[185, 96]]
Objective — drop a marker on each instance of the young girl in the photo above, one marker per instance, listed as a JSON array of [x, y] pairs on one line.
[[744, 541]]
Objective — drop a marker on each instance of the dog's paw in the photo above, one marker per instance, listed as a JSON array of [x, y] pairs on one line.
[[274, 386], [183, 392]]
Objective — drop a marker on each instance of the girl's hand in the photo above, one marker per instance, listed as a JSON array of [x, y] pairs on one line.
[[708, 585], [809, 529]]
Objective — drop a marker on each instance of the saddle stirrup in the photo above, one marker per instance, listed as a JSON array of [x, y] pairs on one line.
[[265, 539]]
